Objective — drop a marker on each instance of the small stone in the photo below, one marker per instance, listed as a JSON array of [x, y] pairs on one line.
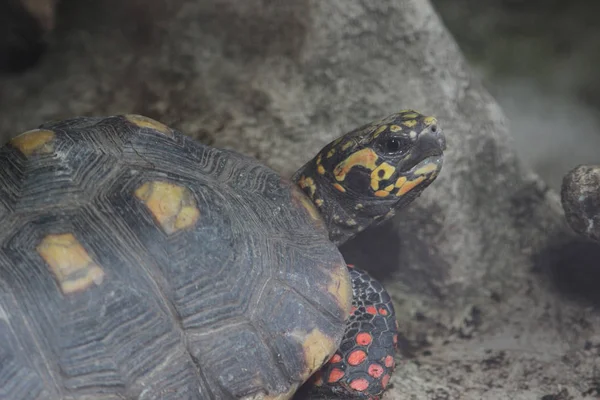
[[580, 196]]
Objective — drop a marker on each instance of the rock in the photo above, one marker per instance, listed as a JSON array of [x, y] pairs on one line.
[[24, 27], [494, 294], [580, 195]]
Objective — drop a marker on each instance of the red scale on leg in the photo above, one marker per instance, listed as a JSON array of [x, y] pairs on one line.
[[362, 366]]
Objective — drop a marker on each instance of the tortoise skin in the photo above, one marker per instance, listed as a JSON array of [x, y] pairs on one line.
[[138, 263], [364, 363]]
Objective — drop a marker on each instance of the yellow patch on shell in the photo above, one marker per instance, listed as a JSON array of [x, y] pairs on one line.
[[173, 206], [365, 158], [379, 131], [339, 187], [308, 182], [388, 171], [69, 262], [308, 205], [429, 120], [317, 348], [409, 185], [340, 288], [36, 141], [145, 122], [426, 169], [279, 396]]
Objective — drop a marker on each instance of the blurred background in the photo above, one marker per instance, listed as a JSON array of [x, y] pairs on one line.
[[538, 59]]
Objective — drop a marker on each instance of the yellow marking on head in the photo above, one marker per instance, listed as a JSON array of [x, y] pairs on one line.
[[389, 188], [429, 120], [36, 141], [317, 348], [339, 187], [382, 193], [330, 153], [351, 222], [388, 171], [426, 169], [410, 114], [321, 170], [308, 182], [365, 158], [395, 128], [173, 206], [400, 181], [145, 122], [410, 123], [69, 262], [412, 134], [379, 130], [319, 159], [409, 185], [347, 145]]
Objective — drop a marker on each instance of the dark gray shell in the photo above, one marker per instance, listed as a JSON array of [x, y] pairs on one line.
[[138, 263]]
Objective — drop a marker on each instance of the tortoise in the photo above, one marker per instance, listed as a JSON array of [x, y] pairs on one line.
[[138, 263]]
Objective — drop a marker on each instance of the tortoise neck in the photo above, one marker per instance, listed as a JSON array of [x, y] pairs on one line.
[[342, 219]]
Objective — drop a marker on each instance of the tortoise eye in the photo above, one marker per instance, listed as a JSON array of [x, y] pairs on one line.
[[396, 144]]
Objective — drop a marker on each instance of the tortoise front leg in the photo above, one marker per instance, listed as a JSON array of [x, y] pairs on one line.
[[362, 366]]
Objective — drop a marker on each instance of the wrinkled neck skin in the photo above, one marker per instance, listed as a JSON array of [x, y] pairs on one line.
[[347, 214]]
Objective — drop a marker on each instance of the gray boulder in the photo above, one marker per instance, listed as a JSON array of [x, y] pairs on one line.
[[580, 196], [496, 298]]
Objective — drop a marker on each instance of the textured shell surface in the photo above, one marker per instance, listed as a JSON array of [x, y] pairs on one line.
[[136, 263]]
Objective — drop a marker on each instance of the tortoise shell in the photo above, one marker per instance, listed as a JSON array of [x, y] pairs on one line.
[[136, 262]]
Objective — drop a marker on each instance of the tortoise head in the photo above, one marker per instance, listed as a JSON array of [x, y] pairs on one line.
[[366, 175]]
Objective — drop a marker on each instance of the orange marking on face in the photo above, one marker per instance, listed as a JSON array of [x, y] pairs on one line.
[[371, 310], [357, 357], [385, 380], [365, 158], [382, 193], [308, 182], [34, 142], [389, 361], [363, 339], [321, 170], [383, 311], [336, 358], [383, 172], [145, 122], [400, 181], [339, 187], [409, 185], [375, 370], [335, 375], [359, 384]]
